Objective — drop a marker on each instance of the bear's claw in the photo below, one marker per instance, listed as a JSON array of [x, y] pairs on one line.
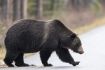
[[75, 63], [48, 65]]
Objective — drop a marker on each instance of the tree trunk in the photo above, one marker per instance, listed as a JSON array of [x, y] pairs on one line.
[[4, 10], [78, 4], [23, 9], [0, 10], [39, 9], [20, 9], [9, 11], [16, 9]]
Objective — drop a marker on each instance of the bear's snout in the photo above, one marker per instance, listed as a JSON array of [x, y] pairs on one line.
[[80, 50]]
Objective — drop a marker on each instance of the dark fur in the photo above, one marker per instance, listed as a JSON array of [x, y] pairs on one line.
[[29, 36]]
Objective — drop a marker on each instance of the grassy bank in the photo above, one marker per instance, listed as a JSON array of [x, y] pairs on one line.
[[90, 26], [2, 53]]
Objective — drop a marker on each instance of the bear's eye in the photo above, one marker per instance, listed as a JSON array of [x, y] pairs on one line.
[[73, 36]]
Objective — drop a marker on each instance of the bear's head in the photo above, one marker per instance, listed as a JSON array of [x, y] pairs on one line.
[[73, 42], [67, 38]]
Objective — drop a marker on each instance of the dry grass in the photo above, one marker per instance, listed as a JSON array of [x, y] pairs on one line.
[[2, 53], [94, 24]]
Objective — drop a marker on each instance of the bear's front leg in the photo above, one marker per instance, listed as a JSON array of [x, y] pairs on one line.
[[44, 55], [65, 56]]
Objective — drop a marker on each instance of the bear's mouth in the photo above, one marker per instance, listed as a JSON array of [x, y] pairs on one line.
[[80, 50]]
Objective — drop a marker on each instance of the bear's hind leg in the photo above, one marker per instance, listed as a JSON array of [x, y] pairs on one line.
[[44, 55], [19, 61], [10, 56]]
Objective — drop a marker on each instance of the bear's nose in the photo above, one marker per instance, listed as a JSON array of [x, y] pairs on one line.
[[81, 52]]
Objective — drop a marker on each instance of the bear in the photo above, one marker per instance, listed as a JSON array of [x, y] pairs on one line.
[[30, 36]]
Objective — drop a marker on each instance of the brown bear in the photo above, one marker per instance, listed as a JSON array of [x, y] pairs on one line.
[[28, 36]]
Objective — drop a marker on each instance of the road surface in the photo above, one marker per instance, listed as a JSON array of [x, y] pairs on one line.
[[93, 58]]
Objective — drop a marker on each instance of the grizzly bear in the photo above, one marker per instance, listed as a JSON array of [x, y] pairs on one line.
[[29, 36]]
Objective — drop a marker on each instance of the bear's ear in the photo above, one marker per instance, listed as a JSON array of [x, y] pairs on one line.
[[73, 36]]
